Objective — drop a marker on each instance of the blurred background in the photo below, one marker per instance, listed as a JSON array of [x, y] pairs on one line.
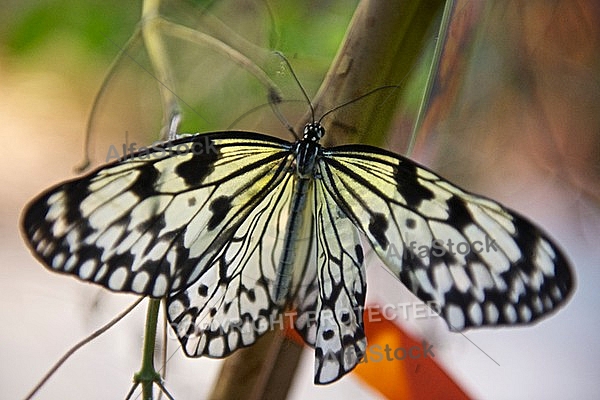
[[514, 115]]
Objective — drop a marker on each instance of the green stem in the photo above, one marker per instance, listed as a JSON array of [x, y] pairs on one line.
[[157, 51], [147, 375]]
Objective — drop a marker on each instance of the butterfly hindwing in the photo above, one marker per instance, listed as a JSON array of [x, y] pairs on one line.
[[233, 301], [479, 262], [340, 340]]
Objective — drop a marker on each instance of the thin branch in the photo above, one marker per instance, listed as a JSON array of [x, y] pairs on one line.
[[82, 343]]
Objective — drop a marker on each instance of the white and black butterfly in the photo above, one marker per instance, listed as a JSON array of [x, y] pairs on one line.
[[233, 227]]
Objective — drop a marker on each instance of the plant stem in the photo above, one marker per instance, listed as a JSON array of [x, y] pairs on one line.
[[147, 375]]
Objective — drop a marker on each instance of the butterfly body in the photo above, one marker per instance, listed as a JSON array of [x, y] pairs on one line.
[[306, 153], [251, 224]]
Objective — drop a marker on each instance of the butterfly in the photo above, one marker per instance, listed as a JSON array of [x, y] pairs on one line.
[[235, 227]]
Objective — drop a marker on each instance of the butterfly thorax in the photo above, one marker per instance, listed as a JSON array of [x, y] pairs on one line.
[[307, 150]]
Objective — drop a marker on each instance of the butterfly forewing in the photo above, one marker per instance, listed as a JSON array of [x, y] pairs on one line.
[[155, 221], [480, 263]]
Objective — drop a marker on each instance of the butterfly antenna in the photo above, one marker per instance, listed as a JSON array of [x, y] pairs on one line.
[[274, 100], [285, 60], [354, 100]]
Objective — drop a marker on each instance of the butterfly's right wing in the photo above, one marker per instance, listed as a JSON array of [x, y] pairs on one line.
[[330, 297], [154, 222], [479, 262]]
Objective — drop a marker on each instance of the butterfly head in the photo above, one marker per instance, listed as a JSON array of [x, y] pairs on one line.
[[313, 132]]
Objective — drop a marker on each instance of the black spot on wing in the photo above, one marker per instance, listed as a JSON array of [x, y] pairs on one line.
[[458, 214], [75, 192], [328, 334], [527, 237], [345, 318], [408, 185], [143, 186], [202, 290], [219, 207], [377, 228], [360, 256], [198, 167]]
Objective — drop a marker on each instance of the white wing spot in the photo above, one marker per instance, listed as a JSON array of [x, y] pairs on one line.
[[425, 284], [455, 317], [175, 308], [510, 313], [60, 227], [548, 248], [475, 313], [41, 246], [216, 347], [58, 260], [54, 197], [74, 240], [87, 269], [517, 289], [50, 246], [537, 304], [57, 206], [101, 273], [542, 258], [491, 312], [548, 302], [442, 278], [330, 367], [71, 263], [461, 279], [117, 278], [140, 280], [525, 313], [247, 333], [556, 294], [233, 338], [37, 235], [160, 286]]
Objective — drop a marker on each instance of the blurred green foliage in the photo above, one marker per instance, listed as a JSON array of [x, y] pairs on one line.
[[32, 25], [27, 27]]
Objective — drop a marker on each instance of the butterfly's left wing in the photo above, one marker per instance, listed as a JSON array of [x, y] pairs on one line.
[[481, 263], [233, 302], [200, 221]]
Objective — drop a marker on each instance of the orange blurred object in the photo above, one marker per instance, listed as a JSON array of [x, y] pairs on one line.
[[394, 373], [406, 378]]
